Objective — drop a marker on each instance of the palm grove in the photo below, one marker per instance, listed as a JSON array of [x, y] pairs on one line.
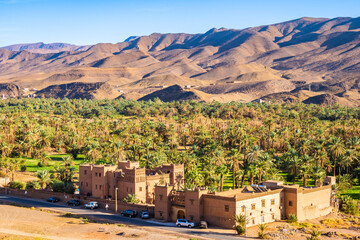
[[222, 145]]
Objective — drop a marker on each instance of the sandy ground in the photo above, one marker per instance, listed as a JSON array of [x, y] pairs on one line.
[[24, 223]]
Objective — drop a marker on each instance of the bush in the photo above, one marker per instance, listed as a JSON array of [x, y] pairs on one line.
[[58, 186], [17, 185], [131, 198], [23, 168], [292, 218], [348, 205], [33, 185], [262, 229], [240, 230], [315, 234], [69, 188]]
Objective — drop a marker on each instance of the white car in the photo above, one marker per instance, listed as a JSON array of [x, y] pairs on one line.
[[91, 205], [185, 223]]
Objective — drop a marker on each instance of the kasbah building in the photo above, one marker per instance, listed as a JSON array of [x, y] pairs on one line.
[[268, 202]]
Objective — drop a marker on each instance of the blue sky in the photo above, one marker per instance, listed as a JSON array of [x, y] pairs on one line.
[[92, 21]]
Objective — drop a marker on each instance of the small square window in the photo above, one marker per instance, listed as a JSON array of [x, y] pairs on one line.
[[87, 184], [100, 187], [243, 209], [81, 183], [161, 197], [96, 174], [253, 206], [85, 172], [95, 186], [192, 201], [290, 203], [272, 201], [253, 221], [273, 216], [263, 203], [99, 174], [140, 189], [226, 208], [160, 213]]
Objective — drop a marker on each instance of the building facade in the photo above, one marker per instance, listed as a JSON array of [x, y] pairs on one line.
[[264, 203], [101, 181], [268, 202]]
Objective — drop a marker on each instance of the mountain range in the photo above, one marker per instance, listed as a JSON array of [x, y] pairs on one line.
[[298, 60]]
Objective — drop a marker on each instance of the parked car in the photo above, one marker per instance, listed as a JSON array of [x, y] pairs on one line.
[[145, 215], [91, 205], [203, 224], [53, 199], [73, 202], [185, 223], [129, 213]]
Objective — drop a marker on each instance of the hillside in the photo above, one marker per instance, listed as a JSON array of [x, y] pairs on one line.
[[172, 93], [226, 64], [79, 90]]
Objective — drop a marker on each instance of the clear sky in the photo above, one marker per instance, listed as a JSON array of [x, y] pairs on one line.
[[92, 21]]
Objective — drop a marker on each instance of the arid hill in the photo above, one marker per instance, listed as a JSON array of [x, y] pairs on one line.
[[172, 93], [9, 90], [313, 54], [79, 90]]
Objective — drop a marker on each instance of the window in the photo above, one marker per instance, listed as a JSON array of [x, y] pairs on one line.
[[192, 201], [253, 206], [99, 174], [95, 186], [81, 183], [140, 189], [263, 203], [290, 203], [270, 209], [85, 172], [87, 184], [226, 208], [100, 187], [273, 216], [251, 214], [243, 209], [281, 200], [192, 218], [161, 197], [253, 221], [160, 213], [272, 201]]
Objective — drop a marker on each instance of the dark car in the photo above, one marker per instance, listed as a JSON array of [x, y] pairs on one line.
[[73, 202], [129, 213], [53, 199], [145, 215]]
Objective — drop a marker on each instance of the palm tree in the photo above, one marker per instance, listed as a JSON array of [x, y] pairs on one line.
[[222, 170], [336, 148], [318, 174], [44, 178]]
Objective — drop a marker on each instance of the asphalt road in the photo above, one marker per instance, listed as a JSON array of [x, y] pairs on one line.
[[100, 214]]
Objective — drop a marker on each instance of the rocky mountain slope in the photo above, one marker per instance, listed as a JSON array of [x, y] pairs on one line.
[[272, 62]]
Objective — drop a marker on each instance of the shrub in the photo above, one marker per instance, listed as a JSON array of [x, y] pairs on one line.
[[17, 185], [131, 198], [23, 168], [315, 234], [58, 186], [292, 218], [348, 205], [68, 214], [69, 188], [33, 185], [262, 229], [240, 224]]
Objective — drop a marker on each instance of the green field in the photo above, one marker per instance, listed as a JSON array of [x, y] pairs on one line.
[[32, 164]]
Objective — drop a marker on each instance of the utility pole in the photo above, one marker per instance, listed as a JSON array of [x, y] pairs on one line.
[[116, 190], [245, 219]]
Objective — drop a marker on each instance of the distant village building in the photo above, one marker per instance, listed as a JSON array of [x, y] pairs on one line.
[[187, 86], [268, 202]]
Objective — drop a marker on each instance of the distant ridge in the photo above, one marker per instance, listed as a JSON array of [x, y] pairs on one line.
[[291, 61]]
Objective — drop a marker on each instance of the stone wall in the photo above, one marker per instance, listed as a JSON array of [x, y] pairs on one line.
[[44, 194]]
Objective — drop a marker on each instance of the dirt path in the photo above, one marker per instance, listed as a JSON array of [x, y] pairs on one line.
[[25, 234]]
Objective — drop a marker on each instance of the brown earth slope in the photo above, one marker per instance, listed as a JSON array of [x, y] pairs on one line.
[[270, 59]]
